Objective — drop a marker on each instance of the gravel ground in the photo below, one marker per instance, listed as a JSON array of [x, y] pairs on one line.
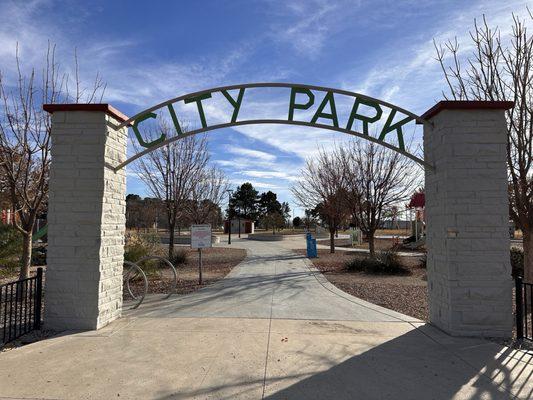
[[406, 294], [11, 275], [403, 293]]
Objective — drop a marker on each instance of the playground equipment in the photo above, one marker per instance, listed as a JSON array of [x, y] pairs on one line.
[[40, 233]]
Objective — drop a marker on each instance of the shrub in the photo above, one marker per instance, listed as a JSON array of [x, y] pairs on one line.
[[140, 245], [423, 261], [390, 259], [385, 263], [10, 242], [9, 267], [362, 264], [134, 253], [38, 256], [517, 261], [10, 250], [181, 256]]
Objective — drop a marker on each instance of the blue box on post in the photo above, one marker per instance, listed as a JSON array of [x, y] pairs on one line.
[[311, 246]]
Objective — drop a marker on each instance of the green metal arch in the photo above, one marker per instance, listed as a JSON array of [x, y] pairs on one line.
[[270, 121], [159, 143]]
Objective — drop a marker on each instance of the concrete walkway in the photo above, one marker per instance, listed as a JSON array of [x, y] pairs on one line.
[[273, 282], [273, 329]]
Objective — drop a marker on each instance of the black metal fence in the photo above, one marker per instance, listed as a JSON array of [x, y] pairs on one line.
[[20, 307], [524, 309]]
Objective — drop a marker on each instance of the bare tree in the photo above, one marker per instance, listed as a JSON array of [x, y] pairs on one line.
[[502, 69], [171, 173], [207, 195], [322, 187], [25, 138], [376, 180]]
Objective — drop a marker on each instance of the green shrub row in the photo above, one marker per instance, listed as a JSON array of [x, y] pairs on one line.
[[385, 263], [10, 250], [139, 245]]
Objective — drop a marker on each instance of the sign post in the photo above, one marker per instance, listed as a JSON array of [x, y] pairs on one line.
[[200, 238], [356, 236]]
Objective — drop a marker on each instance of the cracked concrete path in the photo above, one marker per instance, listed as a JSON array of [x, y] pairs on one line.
[[273, 329]]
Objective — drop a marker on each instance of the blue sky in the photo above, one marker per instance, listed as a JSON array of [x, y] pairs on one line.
[[148, 52]]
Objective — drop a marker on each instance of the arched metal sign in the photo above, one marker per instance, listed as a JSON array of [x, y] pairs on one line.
[[388, 117]]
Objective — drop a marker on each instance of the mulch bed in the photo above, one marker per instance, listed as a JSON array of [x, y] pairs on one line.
[[380, 244], [406, 294], [217, 262]]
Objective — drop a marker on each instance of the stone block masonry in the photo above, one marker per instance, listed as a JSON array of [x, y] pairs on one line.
[[469, 273], [86, 218]]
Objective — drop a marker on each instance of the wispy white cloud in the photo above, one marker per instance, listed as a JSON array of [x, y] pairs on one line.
[[306, 25], [257, 184], [400, 69], [408, 74], [131, 77], [269, 175], [253, 154]]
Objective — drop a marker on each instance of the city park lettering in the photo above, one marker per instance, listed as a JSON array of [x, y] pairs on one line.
[[326, 110]]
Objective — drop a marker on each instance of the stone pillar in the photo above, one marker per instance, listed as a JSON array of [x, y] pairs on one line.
[[467, 211], [86, 217]]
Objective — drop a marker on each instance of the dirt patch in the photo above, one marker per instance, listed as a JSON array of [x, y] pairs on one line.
[[217, 262], [406, 294]]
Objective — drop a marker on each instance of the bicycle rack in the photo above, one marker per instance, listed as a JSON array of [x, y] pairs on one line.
[[133, 266], [127, 277], [167, 262]]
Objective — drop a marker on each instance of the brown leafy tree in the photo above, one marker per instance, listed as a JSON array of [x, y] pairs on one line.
[[25, 138], [502, 69]]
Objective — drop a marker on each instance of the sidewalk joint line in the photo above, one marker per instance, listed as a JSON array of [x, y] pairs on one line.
[[268, 340]]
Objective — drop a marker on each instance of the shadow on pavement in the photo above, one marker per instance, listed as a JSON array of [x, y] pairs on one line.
[[415, 367], [411, 366]]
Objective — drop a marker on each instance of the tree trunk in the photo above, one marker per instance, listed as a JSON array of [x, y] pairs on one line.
[[371, 245], [332, 240], [26, 255], [171, 244], [527, 242]]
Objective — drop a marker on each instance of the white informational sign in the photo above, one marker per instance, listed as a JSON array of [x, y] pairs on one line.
[[356, 236], [200, 236]]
